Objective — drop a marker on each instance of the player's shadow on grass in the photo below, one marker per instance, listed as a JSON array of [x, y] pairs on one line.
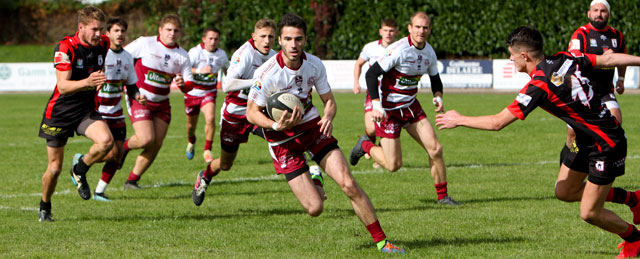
[[187, 194], [203, 215], [456, 241]]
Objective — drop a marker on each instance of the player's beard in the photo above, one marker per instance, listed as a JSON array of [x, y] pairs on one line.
[[599, 25]]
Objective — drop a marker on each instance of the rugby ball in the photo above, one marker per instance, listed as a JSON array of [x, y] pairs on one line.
[[280, 102]]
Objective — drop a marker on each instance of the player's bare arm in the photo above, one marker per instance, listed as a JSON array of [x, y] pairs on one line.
[[256, 117], [330, 109], [452, 119], [356, 75], [205, 70], [616, 60], [67, 86]]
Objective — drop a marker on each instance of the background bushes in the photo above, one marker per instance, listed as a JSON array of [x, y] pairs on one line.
[[337, 29]]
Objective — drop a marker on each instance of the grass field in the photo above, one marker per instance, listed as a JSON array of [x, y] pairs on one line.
[[505, 180], [26, 53]]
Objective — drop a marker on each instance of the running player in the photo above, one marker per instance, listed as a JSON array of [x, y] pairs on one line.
[[159, 60], [78, 60], [120, 74], [370, 54], [294, 71], [406, 61], [206, 60], [596, 37], [560, 84]]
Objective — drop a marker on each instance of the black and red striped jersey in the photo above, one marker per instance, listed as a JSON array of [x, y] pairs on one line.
[[82, 60], [560, 85], [588, 39]]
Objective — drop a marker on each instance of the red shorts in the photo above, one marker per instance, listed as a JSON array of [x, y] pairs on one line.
[[192, 104], [367, 103], [139, 112], [398, 119], [234, 133], [289, 156]]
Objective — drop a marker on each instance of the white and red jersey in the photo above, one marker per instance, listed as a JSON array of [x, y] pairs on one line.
[[275, 77], [118, 68], [243, 64], [404, 64], [373, 51], [156, 65], [200, 58]]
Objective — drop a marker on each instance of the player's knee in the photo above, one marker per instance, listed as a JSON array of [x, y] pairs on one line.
[[589, 216], [393, 166], [350, 188], [54, 170], [225, 166], [145, 140], [435, 152], [315, 210]]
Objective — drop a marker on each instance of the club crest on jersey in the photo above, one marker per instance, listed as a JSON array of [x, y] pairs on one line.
[[614, 42], [557, 78], [166, 59], [603, 37], [100, 60], [298, 80], [593, 43], [79, 63]]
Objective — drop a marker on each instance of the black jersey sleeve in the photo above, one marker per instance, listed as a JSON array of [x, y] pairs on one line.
[[529, 98]]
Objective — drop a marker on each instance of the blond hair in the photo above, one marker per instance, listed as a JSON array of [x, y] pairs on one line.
[[264, 22], [89, 13], [171, 18]]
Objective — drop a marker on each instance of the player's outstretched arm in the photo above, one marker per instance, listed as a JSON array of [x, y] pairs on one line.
[[356, 75], [230, 84], [67, 86], [616, 60], [330, 109], [452, 119]]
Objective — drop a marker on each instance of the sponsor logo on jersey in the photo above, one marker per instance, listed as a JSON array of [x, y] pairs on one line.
[[112, 87], [61, 58], [408, 81], [593, 43], [557, 78], [79, 64], [614, 42], [158, 77], [523, 99], [257, 85], [237, 60], [619, 163], [205, 77], [600, 166], [50, 130], [575, 44], [603, 37], [100, 60]]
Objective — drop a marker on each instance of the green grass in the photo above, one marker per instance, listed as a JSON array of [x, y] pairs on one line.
[[26, 53], [505, 179]]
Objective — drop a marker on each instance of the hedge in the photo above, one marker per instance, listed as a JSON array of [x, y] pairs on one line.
[[338, 29]]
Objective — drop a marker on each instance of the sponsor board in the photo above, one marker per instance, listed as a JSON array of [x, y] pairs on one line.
[[27, 77], [462, 74]]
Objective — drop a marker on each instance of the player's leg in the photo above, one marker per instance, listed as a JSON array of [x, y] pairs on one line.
[[144, 134], [209, 112], [335, 165], [55, 156], [425, 135], [192, 123], [305, 191], [97, 131], [389, 153], [223, 163], [146, 157], [570, 184], [109, 169]]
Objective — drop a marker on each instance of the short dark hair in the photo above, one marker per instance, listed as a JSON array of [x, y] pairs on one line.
[[389, 23], [528, 38], [117, 21], [208, 29], [292, 20]]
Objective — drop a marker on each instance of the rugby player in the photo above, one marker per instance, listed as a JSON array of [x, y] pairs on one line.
[[596, 37], [121, 77], [206, 62], [159, 60], [370, 53], [79, 60], [294, 71], [395, 105], [560, 84]]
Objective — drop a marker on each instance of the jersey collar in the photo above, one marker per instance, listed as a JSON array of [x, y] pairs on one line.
[[280, 60], [158, 39], [590, 27]]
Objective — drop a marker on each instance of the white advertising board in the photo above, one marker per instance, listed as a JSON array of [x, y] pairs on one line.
[[27, 77]]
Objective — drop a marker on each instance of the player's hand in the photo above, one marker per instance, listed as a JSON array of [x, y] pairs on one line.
[[287, 121], [448, 120], [437, 101], [141, 99], [179, 82], [96, 80], [326, 126], [356, 87], [378, 114], [607, 52], [206, 70], [620, 86]]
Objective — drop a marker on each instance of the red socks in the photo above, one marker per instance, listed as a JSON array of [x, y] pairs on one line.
[[631, 235], [367, 145], [376, 232], [207, 144], [441, 190], [192, 139], [133, 177], [108, 170], [208, 173], [126, 145]]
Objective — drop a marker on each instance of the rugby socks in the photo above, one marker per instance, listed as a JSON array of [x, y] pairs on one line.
[[192, 139], [621, 196], [126, 145], [46, 206], [376, 233], [207, 144], [108, 170], [441, 190], [367, 145], [208, 173], [631, 235], [102, 185], [133, 177], [81, 168]]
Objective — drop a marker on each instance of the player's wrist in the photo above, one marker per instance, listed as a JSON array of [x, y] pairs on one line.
[[621, 78], [437, 99]]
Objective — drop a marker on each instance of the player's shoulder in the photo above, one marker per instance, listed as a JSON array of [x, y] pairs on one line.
[[312, 59], [196, 48], [270, 66], [372, 44], [614, 30], [67, 42]]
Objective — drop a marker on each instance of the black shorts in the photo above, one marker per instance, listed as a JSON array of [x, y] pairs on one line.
[[119, 134], [57, 136], [602, 167]]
